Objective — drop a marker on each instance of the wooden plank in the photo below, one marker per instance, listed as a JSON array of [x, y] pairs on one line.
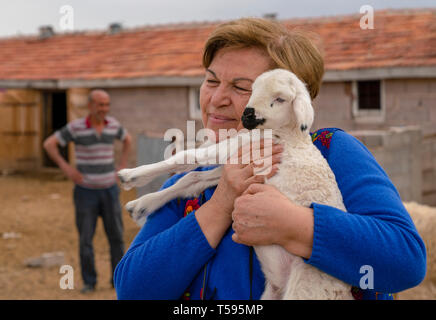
[[17, 134], [20, 129], [19, 104]]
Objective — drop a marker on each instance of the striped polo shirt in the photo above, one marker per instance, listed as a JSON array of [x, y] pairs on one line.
[[94, 152]]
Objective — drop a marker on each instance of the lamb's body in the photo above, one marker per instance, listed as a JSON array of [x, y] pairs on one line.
[[304, 176]]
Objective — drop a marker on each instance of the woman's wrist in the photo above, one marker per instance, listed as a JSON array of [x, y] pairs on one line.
[[297, 231], [213, 221]]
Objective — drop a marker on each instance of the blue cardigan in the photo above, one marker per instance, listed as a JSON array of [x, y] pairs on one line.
[[170, 257]]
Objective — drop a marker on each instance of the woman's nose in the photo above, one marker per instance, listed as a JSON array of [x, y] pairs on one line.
[[221, 96]]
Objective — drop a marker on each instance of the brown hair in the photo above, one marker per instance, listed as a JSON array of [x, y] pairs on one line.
[[294, 50]]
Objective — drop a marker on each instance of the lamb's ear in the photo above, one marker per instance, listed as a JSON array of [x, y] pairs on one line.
[[303, 110]]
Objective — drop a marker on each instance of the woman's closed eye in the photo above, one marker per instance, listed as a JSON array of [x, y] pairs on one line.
[[242, 89], [212, 82]]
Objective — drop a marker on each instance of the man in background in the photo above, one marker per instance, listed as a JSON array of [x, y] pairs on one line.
[[96, 192]]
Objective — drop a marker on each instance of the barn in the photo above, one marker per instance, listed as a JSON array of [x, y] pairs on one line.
[[380, 85]]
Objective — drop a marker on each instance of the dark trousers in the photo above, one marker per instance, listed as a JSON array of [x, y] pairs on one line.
[[90, 204]]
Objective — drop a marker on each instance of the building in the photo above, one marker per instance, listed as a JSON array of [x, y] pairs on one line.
[[375, 79]]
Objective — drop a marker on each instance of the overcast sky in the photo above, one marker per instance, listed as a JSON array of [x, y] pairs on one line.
[[25, 16]]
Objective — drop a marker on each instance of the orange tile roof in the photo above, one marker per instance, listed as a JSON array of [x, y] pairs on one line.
[[400, 38]]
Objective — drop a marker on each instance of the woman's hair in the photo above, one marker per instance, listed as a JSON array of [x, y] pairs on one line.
[[293, 50]]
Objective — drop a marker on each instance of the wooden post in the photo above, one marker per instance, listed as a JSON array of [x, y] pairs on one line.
[[77, 107]]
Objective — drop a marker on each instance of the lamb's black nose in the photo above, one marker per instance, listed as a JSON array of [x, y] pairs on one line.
[[248, 112], [249, 120]]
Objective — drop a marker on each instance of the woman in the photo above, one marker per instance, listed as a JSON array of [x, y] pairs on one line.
[[200, 248]]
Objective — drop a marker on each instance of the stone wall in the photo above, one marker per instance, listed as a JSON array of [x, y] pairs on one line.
[[429, 170], [399, 151], [149, 111]]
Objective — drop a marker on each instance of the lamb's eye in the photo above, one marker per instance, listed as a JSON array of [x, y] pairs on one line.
[[278, 100]]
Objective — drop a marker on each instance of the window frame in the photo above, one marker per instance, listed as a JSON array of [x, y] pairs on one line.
[[194, 103], [368, 115]]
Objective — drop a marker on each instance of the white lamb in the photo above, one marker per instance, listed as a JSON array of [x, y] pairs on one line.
[[281, 102]]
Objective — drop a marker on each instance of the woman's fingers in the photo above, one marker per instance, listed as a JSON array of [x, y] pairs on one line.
[[257, 171], [274, 170], [268, 151], [255, 179], [255, 188], [265, 174], [239, 176], [250, 153], [269, 161]]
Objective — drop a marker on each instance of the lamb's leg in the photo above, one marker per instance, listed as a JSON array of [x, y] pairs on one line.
[[291, 284], [269, 292], [190, 185], [140, 176], [211, 154], [306, 282]]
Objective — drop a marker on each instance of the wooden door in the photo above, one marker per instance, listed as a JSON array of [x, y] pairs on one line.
[[20, 129]]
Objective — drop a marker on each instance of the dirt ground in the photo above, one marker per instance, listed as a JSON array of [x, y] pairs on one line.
[[37, 213]]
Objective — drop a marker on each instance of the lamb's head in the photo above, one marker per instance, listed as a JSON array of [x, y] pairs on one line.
[[279, 99]]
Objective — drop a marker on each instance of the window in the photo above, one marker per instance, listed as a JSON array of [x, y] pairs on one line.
[[368, 101], [194, 103], [368, 93]]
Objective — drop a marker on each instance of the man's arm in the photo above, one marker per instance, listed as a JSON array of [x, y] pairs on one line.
[[51, 146], [127, 142]]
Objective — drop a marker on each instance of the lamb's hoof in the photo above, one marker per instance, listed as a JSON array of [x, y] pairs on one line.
[[130, 208], [136, 211], [126, 178]]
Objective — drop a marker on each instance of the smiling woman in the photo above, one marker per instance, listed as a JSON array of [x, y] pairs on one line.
[[206, 254]]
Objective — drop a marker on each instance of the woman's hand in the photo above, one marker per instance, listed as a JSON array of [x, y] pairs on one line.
[[263, 216], [236, 178], [215, 216]]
